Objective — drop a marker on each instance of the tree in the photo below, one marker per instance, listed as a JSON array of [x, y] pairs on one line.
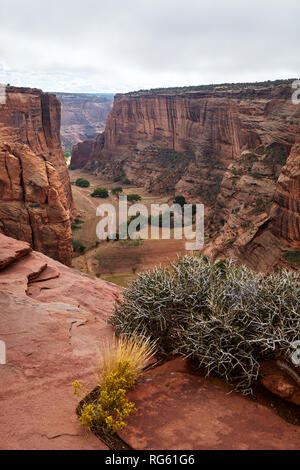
[[117, 190], [100, 192], [180, 200], [133, 197], [83, 183]]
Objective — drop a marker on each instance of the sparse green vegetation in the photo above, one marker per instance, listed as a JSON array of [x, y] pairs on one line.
[[116, 191], [100, 192], [82, 183], [180, 200], [78, 246], [213, 87], [134, 197], [67, 155]]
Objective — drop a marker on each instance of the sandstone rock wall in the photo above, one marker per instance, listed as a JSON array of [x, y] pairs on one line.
[[33, 204], [226, 148], [35, 192], [83, 116]]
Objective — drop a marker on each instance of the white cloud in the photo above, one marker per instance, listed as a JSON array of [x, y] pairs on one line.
[[97, 45]]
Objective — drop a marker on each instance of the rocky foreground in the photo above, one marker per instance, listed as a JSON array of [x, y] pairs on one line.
[[53, 319]]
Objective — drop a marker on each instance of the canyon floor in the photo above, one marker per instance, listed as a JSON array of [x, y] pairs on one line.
[[116, 261]]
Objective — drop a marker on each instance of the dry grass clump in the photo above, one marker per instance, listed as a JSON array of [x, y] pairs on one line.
[[134, 348], [122, 361], [225, 316]]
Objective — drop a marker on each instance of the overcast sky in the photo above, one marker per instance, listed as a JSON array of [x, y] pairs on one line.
[[119, 45]]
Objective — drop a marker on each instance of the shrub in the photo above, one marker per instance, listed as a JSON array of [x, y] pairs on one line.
[[180, 200], [121, 363], [100, 192], [225, 316], [133, 197], [116, 191], [83, 183], [127, 181], [67, 155], [78, 246]]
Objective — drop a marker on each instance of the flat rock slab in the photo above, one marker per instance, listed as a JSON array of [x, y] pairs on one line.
[[11, 250], [52, 335], [179, 410]]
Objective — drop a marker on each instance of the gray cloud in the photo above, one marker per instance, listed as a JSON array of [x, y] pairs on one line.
[[95, 45]]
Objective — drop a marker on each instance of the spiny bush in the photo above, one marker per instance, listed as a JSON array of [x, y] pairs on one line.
[[122, 361], [225, 316]]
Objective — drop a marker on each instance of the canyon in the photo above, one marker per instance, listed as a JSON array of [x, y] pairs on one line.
[[83, 116], [234, 148], [36, 203]]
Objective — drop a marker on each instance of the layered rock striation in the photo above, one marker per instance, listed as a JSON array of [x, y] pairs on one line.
[[83, 116], [35, 193], [233, 148]]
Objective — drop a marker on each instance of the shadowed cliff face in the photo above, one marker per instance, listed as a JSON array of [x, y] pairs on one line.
[[225, 148], [35, 191]]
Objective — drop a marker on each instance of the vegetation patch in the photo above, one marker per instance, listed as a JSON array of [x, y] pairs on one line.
[[100, 192], [133, 197], [116, 191], [122, 362], [225, 316], [82, 183], [78, 246]]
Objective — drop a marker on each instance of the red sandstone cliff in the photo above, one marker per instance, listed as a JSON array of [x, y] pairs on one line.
[[35, 191], [83, 116], [225, 147]]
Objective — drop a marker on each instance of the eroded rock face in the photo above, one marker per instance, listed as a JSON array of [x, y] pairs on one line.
[[33, 204], [83, 116], [235, 150], [53, 321], [32, 117], [257, 211], [35, 192]]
